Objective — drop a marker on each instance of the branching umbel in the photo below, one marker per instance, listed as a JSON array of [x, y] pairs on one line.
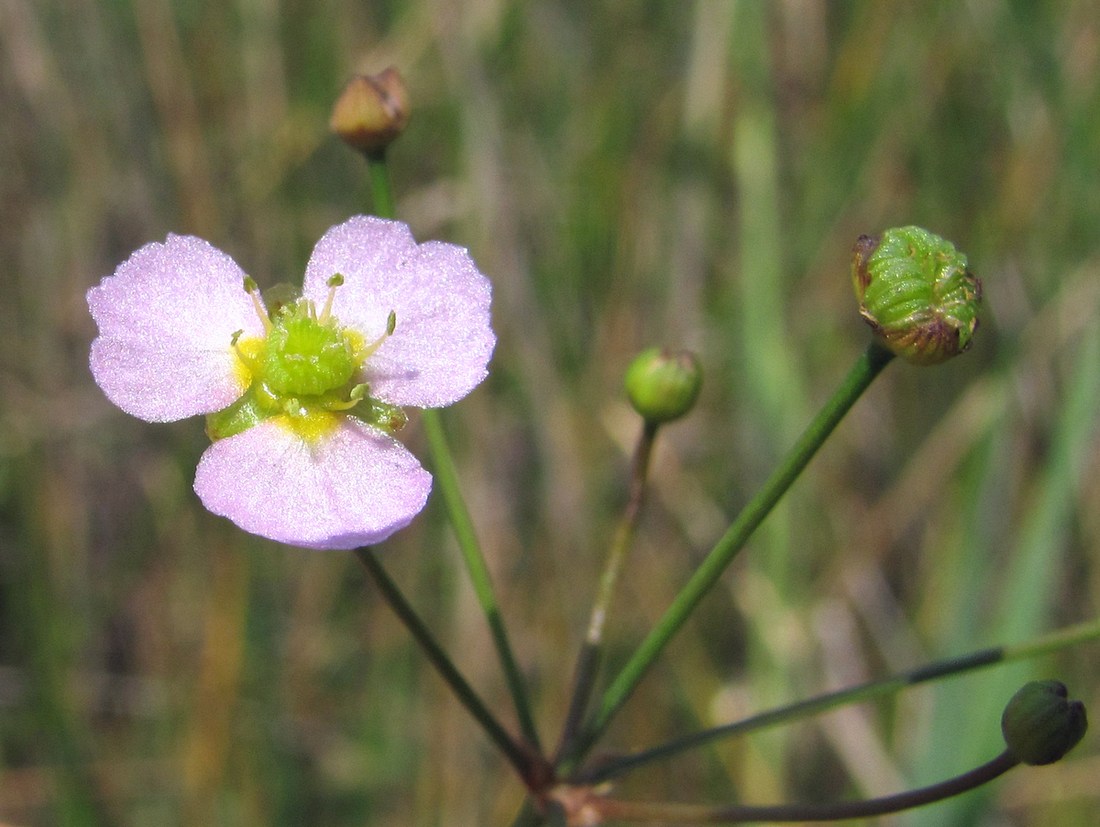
[[916, 292]]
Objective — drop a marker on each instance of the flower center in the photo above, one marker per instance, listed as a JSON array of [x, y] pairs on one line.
[[303, 371], [303, 356]]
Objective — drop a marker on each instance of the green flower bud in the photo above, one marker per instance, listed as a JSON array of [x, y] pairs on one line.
[[371, 111], [916, 293], [663, 385], [1040, 724]]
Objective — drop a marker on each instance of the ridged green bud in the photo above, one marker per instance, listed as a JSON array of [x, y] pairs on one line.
[[1040, 723], [663, 385], [916, 293]]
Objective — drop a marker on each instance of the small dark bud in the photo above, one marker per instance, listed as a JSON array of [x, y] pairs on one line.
[[1040, 723], [663, 385], [279, 296], [916, 293], [371, 111]]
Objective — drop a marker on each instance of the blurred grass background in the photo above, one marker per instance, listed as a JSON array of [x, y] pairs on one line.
[[630, 173]]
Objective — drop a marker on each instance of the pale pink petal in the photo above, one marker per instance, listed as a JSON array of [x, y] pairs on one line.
[[441, 348], [166, 319], [353, 487]]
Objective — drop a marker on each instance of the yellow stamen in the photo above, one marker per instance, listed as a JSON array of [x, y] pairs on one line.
[[247, 352], [334, 282], [357, 395], [253, 291], [364, 352]]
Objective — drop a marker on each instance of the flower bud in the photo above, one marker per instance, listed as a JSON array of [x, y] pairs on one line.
[[371, 111], [916, 293], [1040, 724], [663, 385]]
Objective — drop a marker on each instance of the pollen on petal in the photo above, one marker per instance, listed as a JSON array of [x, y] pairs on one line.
[[350, 487], [443, 340], [167, 318], [311, 426]]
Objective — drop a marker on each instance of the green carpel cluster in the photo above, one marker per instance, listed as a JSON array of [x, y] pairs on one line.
[[917, 293], [303, 370], [305, 357]]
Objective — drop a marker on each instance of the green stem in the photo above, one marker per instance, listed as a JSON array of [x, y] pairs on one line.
[[867, 367], [1054, 641], [588, 661], [838, 811], [871, 690], [530, 768], [446, 477], [380, 189]]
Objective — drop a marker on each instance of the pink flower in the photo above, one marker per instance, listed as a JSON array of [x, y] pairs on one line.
[[301, 396]]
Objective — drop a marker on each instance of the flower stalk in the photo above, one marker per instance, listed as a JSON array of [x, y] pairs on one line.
[[380, 189], [603, 810], [1040, 725], [526, 762], [591, 654], [861, 693], [446, 476], [868, 366]]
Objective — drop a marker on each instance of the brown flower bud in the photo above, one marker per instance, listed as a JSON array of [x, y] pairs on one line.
[[371, 111]]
